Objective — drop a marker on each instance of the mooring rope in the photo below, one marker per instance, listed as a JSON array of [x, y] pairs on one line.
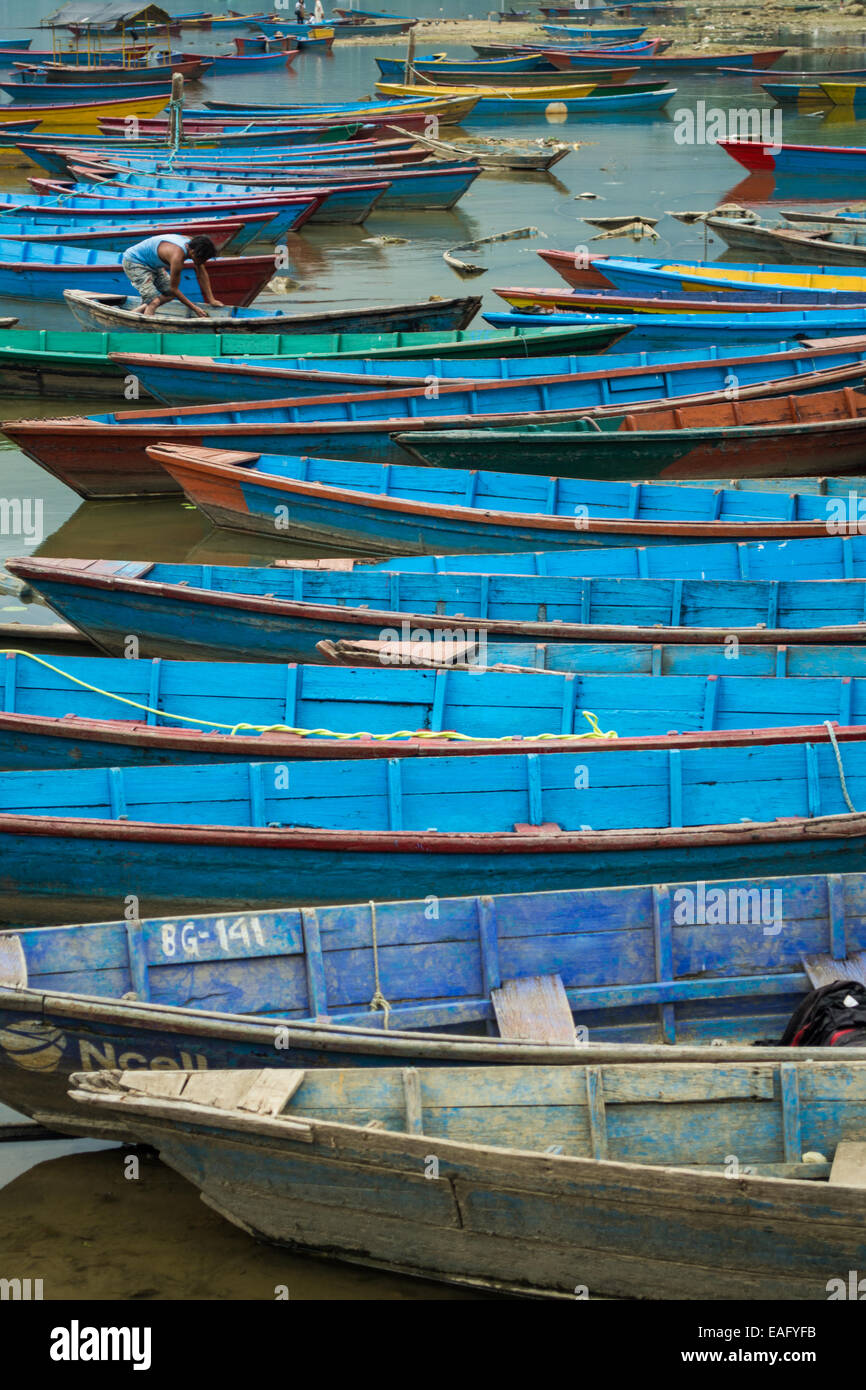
[[831, 731], [378, 1001]]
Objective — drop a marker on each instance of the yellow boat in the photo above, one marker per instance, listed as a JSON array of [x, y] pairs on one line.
[[845, 93], [789, 279], [401, 89], [67, 117]]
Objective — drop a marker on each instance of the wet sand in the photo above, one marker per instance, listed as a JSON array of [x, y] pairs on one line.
[[90, 1233]]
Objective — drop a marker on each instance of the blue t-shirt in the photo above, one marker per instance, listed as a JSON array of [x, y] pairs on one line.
[[147, 252]]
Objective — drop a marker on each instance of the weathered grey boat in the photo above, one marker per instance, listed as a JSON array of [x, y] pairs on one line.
[[665, 1181], [844, 245]]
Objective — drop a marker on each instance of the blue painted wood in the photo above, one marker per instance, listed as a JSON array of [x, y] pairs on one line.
[[248, 613], [188, 841], [430, 510], [599, 379], [673, 279], [666, 658], [658, 330], [836, 556], [686, 963], [43, 270]]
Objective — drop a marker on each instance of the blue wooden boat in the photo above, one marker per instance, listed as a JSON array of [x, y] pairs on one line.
[[836, 556], [90, 210], [236, 836], [126, 987], [340, 201], [607, 658], [17, 44], [437, 186], [387, 509], [105, 455], [538, 1169], [108, 235], [604, 380], [32, 91], [826, 288], [155, 713], [44, 270], [240, 63], [658, 331], [265, 614], [431, 63]]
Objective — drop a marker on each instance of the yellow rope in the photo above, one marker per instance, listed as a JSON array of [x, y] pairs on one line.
[[451, 734], [378, 1001]]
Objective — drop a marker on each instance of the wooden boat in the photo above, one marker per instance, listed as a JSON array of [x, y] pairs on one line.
[[154, 713], [80, 115], [151, 211], [788, 285], [593, 658], [490, 105], [453, 105], [845, 216], [426, 186], [111, 236], [743, 438], [234, 836], [46, 363], [22, 89], [749, 301], [592, 275], [326, 1162], [690, 62], [495, 74], [275, 614], [804, 93], [841, 246], [39, 270], [178, 380], [440, 64], [501, 155], [348, 199], [241, 63], [190, 67], [839, 554], [764, 155], [106, 455], [852, 94], [319, 976], [663, 330], [387, 509]]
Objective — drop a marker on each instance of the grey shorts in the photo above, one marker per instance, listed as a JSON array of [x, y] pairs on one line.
[[150, 284]]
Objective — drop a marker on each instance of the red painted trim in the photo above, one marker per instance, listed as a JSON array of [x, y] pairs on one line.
[[790, 830], [72, 729]]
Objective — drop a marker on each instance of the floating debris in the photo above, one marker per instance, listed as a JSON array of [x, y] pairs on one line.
[[466, 267], [386, 241]]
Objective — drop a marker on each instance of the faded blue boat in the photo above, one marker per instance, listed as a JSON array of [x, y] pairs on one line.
[[350, 202], [236, 836], [537, 1169], [657, 331], [38, 93], [213, 991], [251, 614], [94, 210]]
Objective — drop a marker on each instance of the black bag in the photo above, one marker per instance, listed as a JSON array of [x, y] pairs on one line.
[[832, 1016]]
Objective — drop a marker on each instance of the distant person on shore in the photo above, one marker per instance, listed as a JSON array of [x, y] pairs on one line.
[[300, 14], [154, 266]]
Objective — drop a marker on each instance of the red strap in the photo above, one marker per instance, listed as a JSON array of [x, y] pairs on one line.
[[843, 1033]]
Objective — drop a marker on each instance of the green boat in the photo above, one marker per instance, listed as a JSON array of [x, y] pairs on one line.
[[780, 436], [42, 362]]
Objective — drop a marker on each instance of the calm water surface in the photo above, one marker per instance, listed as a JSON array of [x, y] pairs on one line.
[[67, 1214]]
